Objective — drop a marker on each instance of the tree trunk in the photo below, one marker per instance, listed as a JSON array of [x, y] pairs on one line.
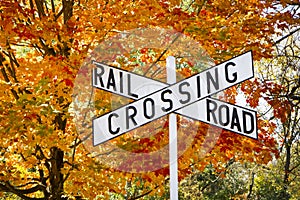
[[56, 177], [285, 194]]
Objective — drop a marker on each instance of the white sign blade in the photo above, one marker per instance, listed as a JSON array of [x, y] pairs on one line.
[[196, 111], [168, 99], [224, 115], [136, 86], [124, 83]]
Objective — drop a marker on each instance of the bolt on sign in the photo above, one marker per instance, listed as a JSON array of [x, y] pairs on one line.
[[189, 97]]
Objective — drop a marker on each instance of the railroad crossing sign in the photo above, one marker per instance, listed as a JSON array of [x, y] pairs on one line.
[[189, 97]]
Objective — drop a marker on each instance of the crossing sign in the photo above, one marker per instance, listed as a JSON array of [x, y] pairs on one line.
[[189, 97]]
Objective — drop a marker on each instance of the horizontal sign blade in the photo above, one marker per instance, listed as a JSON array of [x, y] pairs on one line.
[[162, 101]]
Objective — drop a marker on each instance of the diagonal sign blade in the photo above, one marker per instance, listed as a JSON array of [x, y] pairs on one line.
[[185, 97], [208, 110]]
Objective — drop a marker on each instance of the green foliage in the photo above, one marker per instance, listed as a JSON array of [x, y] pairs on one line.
[[210, 184], [270, 186], [9, 196], [136, 190]]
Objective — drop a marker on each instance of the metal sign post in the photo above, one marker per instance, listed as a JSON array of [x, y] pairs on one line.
[[171, 79]]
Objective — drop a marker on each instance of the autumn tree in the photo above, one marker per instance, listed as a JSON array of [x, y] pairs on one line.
[[278, 88], [281, 82], [44, 43]]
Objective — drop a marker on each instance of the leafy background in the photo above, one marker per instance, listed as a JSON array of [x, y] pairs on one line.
[[43, 43]]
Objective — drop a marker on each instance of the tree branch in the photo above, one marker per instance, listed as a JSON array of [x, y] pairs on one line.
[[7, 187], [40, 8], [163, 53], [286, 36], [251, 185]]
